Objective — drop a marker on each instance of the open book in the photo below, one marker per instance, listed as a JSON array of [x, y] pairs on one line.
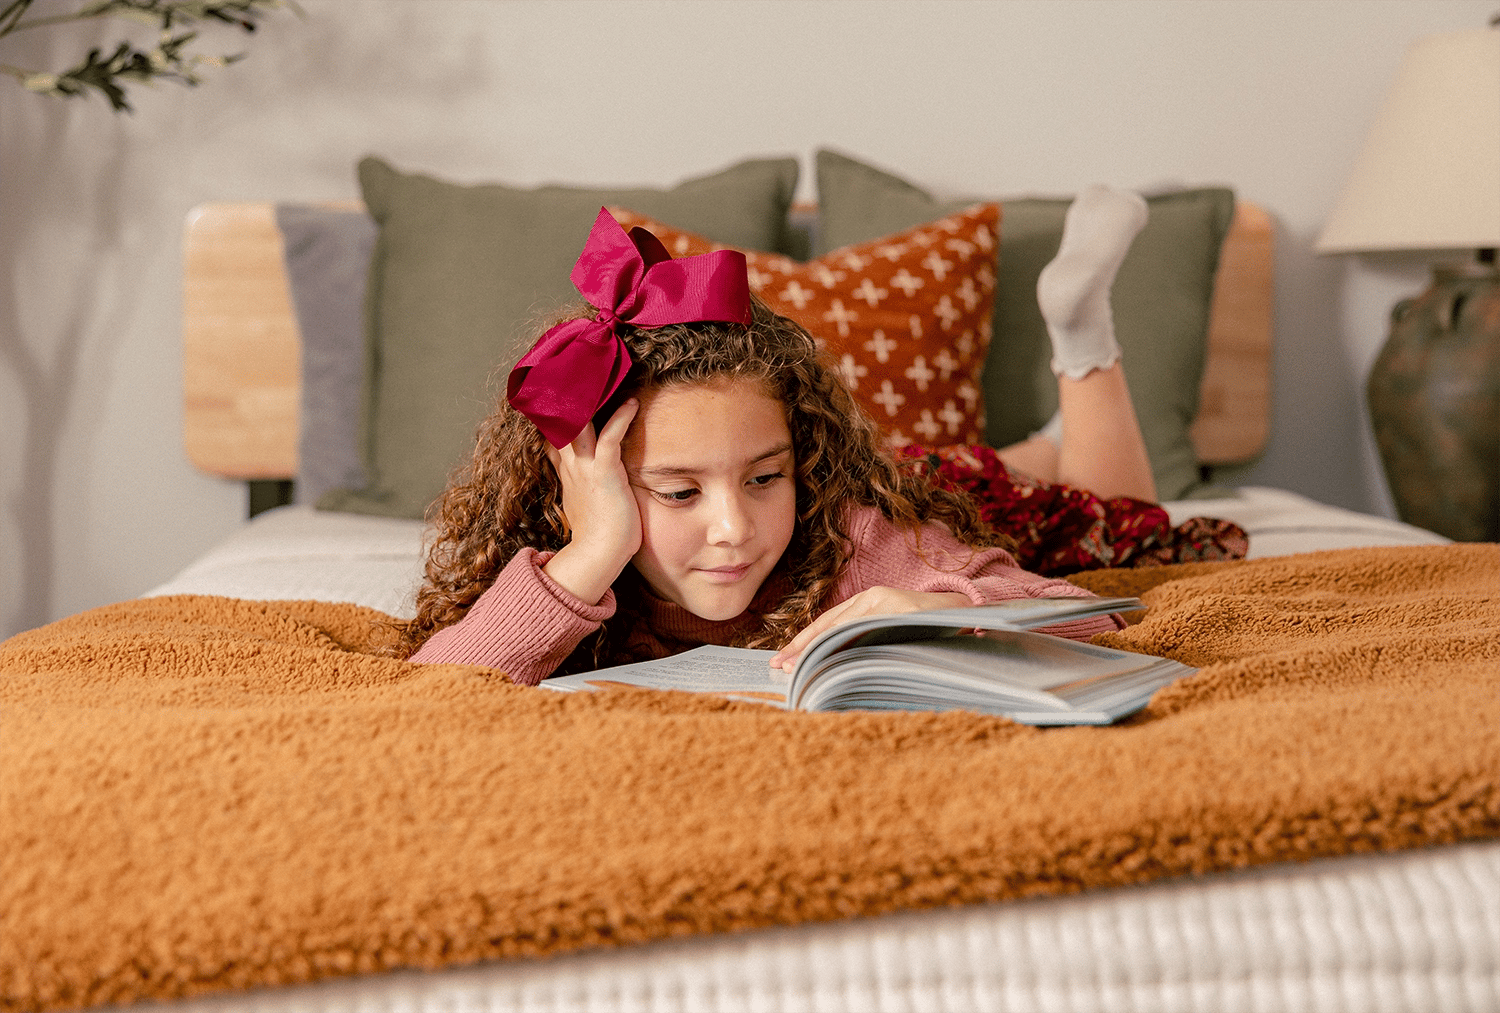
[[928, 661]]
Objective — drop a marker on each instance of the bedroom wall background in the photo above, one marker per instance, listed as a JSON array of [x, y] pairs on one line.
[[97, 500]]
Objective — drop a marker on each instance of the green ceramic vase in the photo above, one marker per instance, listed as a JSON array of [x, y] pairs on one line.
[[1434, 395]]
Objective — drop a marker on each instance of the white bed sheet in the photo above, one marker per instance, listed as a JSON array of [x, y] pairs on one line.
[[1281, 523], [1415, 930], [297, 552]]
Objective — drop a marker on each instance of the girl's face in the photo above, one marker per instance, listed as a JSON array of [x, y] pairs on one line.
[[711, 467]]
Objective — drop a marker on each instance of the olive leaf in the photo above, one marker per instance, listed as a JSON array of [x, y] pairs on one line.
[[171, 58]]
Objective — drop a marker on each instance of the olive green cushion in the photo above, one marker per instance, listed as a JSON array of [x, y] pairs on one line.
[[1161, 300], [459, 277]]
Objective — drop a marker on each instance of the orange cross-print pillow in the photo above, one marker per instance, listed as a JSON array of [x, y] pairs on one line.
[[906, 317]]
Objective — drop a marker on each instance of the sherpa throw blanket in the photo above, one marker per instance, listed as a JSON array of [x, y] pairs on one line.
[[202, 793]]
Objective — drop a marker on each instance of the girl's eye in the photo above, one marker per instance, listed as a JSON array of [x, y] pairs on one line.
[[680, 496], [765, 480]]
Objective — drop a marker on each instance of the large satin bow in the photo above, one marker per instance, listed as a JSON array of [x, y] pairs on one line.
[[630, 279]]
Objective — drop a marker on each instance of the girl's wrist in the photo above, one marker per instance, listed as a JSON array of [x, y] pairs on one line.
[[585, 571]]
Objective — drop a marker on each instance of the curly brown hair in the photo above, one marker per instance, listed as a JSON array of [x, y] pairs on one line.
[[508, 497]]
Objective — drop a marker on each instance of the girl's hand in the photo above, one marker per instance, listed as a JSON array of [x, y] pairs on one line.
[[600, 509], [873, 601]]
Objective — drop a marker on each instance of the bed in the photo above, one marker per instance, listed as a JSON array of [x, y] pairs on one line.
[[244, 806]]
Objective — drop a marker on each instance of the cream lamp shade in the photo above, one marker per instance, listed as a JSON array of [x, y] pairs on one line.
[[1428, 177]]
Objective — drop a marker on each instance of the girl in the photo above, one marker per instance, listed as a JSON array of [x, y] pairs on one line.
[[679, 465]]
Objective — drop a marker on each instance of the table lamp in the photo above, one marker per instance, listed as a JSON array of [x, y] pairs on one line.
[[1428, 178]]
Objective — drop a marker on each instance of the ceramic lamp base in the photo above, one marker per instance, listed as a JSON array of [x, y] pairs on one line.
[[1434, 395]]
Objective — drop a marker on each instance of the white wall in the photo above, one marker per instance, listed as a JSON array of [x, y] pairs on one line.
[[97, 501]]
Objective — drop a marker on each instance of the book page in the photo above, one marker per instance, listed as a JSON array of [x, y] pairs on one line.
[[1033, 660], [1013, 614], [1029, 677], [728, 671]]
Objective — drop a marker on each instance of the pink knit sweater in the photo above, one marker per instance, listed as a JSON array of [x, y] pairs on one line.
[[526, 624]]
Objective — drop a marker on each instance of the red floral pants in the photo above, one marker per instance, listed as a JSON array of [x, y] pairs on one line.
[[1061, 529]]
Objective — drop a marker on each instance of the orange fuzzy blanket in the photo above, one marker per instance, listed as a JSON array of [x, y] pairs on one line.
[[203, 793]]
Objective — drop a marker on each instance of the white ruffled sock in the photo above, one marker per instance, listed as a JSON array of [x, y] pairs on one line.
[[1073, 290]]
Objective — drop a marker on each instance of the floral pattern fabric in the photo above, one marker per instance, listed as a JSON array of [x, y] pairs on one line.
[[1061, 529]]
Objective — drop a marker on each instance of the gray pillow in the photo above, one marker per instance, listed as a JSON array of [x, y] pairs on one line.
[[327, 255], [1161, 299], [460, 275]]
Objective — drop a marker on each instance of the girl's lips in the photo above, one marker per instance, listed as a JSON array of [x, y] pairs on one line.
[[726, 574]]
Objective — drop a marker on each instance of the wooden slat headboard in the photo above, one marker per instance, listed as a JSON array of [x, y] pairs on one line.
[[1234, 402], [242, 352]]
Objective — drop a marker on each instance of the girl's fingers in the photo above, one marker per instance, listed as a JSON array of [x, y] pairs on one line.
[[597, 501], [786, 658], [614, 430], [583, 444], [586, 444], [871, 601]]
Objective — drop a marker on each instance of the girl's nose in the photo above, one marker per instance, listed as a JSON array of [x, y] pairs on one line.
[[731, 523]]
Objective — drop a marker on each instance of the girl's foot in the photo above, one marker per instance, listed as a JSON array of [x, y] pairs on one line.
[[1073, 290]]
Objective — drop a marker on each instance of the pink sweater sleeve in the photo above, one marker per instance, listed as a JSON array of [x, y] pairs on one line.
[[887, 556], [525, 624]]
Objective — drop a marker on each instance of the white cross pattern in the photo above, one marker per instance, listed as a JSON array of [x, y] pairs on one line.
[[826, 276], [881, 346], [947, 312], [969, 393], [888, 398], [851, 370], [927, 426], [937, 265], [840, 317], [951, 416], [969, 294], [946, 364], [962, 247], [920, 373], [906, 282], [854, 261], [795, 294], [870, 293]]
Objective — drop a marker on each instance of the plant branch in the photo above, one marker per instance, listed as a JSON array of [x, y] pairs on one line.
[[11, 15], [170, 59]]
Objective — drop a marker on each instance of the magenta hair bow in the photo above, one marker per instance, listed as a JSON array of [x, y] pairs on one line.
[[575, 367]]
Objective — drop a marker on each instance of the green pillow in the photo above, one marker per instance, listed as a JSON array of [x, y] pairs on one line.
[[1161, 300], [459, 277]]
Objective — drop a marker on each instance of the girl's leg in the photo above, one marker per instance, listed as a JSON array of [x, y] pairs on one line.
[[1102, 448], [1095, 441]]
